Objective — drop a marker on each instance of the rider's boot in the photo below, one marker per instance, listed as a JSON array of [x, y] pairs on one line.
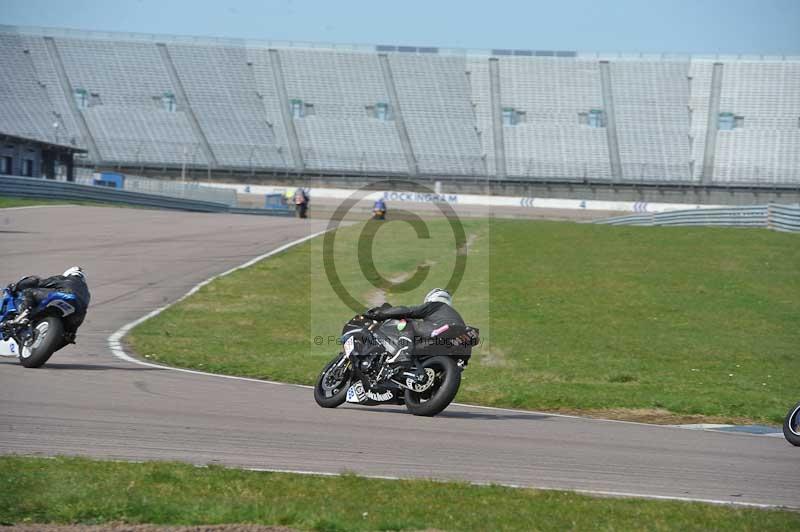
[[404, 357], [21, 318], [402, 362]]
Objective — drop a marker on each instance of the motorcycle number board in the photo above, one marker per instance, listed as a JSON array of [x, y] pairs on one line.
[[8, 348]]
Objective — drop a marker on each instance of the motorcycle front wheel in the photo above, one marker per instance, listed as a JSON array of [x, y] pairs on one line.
[[437, 393], [331, 387], [48, 335], [791, 426]]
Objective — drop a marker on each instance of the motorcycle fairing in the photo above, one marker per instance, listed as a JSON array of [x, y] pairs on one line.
[[357, 394], [63, 302]]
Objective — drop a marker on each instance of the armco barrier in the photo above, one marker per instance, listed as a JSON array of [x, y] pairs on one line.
[[261, 212], [777, 217], [784, 218], [179, 189], [45, 189], [27, 187]]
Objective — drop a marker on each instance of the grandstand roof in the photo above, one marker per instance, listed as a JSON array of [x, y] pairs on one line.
[[8, 137], [227, 41]]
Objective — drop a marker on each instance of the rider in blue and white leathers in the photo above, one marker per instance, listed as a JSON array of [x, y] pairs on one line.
[[33, 290]]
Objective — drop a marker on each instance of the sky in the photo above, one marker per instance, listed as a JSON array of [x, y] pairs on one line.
[[769, 27]]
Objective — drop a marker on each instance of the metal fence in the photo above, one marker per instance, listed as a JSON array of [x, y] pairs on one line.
[[28, 187], [772, 216], [177, 189]]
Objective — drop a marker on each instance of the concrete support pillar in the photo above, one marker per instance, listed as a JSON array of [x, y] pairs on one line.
[[63, 80], [288, 120], [394, 101], [70, 164], [185, 106], [497, 118], [49, 164], [713, 124], [611, 122]]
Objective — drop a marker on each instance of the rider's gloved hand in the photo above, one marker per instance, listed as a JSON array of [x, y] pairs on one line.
[[11, 287]]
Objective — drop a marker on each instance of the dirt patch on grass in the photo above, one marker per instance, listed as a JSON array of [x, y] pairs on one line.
[[495, 357], [122, 527], [471, 238], [377, 296], [656, 416]]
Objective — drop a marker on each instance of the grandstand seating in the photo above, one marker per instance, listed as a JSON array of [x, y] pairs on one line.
[[480, 99], [25, 107], [221, 88], [651, 102], [168, 101], [549, 141], [341, 130], [125, 83], [767, 148], [700, 88], [138, 136], [435, 102]]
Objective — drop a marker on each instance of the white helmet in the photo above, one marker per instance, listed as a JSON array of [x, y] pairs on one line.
[[75, 271], [440, 295]]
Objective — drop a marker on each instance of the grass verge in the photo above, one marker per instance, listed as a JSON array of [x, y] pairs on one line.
[[6, 201], [77, 490], [657, 324]]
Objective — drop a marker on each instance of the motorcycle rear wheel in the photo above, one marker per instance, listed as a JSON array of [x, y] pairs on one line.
[[331, 391], [48, 336], [441, 394], [791, 426]]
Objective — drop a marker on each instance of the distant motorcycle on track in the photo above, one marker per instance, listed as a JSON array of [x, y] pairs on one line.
[[791, 425], [360, 374], [379, 210]]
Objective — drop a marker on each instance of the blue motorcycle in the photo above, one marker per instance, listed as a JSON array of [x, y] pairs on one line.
[[35, 340]]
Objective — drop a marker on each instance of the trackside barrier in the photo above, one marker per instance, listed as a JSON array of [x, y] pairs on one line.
[[784, 218], [28, 187], [772, 216], [178, 189], [261, 212]]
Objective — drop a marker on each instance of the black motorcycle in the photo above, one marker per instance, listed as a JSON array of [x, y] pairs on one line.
[[360, 372], [791, 426]]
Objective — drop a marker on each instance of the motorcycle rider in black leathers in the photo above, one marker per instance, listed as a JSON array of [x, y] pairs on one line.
[[433, 321], [34, 290]]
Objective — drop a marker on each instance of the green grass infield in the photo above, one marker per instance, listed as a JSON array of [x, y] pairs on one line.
[[655, 324]]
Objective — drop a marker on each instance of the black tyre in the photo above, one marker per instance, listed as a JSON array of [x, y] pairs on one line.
[[48, 337], [331, 387], [791, 426], [446, 375]]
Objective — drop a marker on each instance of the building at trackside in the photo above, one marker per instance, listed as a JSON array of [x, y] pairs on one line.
[[27, 157]]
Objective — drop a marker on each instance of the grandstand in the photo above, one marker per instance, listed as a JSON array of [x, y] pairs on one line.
[[140, 101]]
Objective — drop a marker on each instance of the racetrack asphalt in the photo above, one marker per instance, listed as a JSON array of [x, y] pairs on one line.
[[87, 402]]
